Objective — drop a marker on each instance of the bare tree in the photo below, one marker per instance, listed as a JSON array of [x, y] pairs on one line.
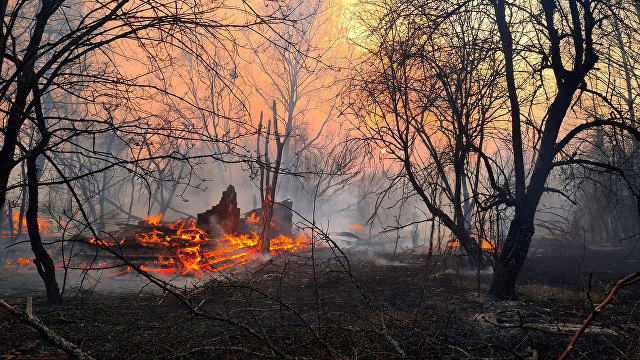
[[538, 66], [427, 95], [569, 51], [59, 52], [269, 174], [296, 67]]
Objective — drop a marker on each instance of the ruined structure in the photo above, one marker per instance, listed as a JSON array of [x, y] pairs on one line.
[[281, 220], [223, 218]]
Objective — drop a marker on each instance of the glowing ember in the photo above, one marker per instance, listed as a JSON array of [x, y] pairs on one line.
[[43, 224], [20, 262], [102, 242], [356, 226], [487, 246]]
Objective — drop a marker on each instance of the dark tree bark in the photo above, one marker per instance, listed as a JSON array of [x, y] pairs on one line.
[[44, 264], [25, 83], [516, 244], [269, 177], [264, 247]]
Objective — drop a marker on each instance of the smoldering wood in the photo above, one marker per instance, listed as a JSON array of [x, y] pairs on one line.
[[146, 241]]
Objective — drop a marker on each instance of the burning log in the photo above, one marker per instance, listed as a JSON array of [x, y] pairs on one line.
[[223, 218]]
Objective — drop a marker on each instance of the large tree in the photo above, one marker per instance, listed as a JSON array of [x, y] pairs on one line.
[[540, 62], [428, 93]]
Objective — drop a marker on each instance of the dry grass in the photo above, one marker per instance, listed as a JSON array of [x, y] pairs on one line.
[[542, 293]]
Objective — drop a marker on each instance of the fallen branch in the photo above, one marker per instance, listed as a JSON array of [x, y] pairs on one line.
[[525, 327], [47, 333], [621, 283]]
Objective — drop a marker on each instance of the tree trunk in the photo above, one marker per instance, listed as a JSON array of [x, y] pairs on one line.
[[44, 263], [514, 252], [264, 247], [26, 79], [476, 257]]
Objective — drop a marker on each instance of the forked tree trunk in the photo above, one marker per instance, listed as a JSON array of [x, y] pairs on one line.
[[270, 182], [514, 252], [265, 218], [44, 264], [527, 197]]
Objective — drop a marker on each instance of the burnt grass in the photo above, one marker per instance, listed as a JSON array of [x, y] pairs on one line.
[[375, 308]]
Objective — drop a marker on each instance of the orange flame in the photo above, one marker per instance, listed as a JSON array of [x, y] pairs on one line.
[[20, 262], [102, 242], [253, 218], [287, 244], [153, 220], [356, 226], [185, 249], [43, 224], [485, 245], [192, 251]]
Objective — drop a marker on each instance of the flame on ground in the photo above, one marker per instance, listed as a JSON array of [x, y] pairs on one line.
[[103, 243], [20, 262], [43, 224], [485, 245], [190, 251], [181, 248], [356, 226]]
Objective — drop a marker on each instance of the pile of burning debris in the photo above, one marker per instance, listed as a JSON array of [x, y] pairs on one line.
[[220, 239]]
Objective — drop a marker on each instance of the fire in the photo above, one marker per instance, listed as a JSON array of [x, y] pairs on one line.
[[253, 218], [383, 150], [190, 251], [181, 248], [20, 262], [43, 224], [485, 245], [287, 244], [102, 242], [153, 220], [356, 226]]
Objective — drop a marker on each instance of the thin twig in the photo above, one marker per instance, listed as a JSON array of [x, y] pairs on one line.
[[621, 283]]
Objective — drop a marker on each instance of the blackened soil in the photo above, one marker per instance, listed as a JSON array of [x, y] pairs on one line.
[[403, 306]]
